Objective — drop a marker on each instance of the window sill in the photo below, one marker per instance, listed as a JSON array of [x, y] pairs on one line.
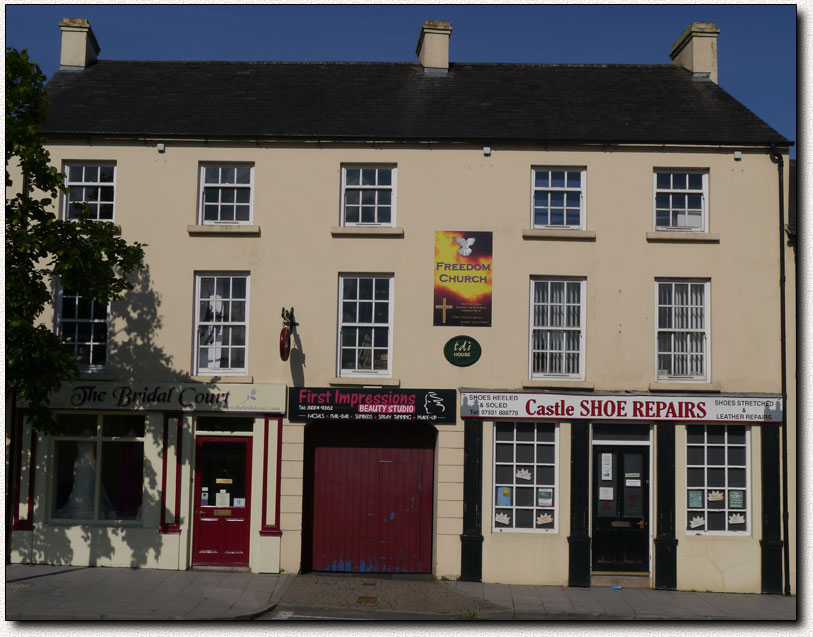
[[370, 381], [682, 237], [558, 235], [558, 384], [364, 231], [223, 230], [223, 379], [687, 386]]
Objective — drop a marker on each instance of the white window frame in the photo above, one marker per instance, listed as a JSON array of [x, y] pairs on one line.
[[392, 187], [220, 186], [98, 438], [222, 371], [66, 197], [60, 329], [495, 485], [364, 373], [568, 190], [693, 512], [705, 331], [581, 329], [703, 192]]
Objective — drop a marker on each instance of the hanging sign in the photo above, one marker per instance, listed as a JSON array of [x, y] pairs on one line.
[[624, 407], [462, 351], [463, 273], [437, 406]]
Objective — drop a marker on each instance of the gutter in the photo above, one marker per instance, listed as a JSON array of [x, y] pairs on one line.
[[786, 548]]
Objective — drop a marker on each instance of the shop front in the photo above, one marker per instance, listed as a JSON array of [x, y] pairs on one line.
[[369, 476], [170, 475], [672, 492]]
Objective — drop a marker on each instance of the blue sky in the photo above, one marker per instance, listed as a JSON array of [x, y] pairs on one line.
[[757, 43]]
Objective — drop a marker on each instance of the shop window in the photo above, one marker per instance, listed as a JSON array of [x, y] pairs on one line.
[[680, 200], [525, 477], [368, 195], [92, 184], [557, 329], [365, 325], [98, 467], [558, 198], [221, 323], [82, 326], [717, 489], [226, 194], [682, 330]]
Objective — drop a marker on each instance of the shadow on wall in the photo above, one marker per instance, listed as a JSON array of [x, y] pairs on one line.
[[134, 354]]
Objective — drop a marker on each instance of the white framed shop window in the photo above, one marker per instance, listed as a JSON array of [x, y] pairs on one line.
[[365, 325], [718, 489], [221, 323], [682, 330], [525, 497], [226, 194], [557, 329], [98, 468], [368, 195], [558, 198]]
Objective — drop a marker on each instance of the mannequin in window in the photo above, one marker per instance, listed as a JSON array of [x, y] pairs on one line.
[[214, 333], [79, 505]]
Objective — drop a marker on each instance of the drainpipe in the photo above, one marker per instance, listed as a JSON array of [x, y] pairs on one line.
[[780, 162]]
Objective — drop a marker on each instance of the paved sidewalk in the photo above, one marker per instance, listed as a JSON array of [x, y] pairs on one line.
[[84, 593], [41, 592]]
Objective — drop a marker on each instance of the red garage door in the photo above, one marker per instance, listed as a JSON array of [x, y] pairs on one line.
[[370, 497]]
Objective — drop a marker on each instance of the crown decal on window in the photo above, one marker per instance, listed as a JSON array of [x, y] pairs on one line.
[[715, 496], [736, 518], [524, 474], [502, 518], [544, 518], [697, 521]]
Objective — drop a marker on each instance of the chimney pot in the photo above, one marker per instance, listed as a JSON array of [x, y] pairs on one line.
[[433, 45], [696, 49], [79, 46]]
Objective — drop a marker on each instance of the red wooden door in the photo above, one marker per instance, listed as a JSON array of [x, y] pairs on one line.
[[372, 498], [222, 501]]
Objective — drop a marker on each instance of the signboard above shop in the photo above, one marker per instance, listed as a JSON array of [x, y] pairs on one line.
[[626, 407], [198, 397], [435, 406]]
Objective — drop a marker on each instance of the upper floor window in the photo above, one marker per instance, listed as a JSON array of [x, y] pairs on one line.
[[368, 195], [682, 330], [365, 324], [221, 323], [557, 328], [558, 197], [680, 200], [226, 193], [82, 326], [717, 479], [92, 184]]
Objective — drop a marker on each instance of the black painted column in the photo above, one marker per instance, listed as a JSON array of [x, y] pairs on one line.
[[665, 540], [771, 541], [471, 542], [579, 538]]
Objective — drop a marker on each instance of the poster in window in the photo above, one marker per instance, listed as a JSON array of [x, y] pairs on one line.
[[695, 498], [544, 497], [462, 279], [736, 499], [504, 496]]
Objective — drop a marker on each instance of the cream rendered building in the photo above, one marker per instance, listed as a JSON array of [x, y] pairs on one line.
[[622, 421]]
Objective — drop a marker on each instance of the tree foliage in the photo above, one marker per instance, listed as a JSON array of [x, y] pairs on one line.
[[43, 250]]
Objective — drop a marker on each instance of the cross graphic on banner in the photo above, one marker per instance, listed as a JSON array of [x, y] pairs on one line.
[[443, 307]]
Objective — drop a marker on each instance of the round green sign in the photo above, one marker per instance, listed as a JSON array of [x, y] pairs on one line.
[[462, 351]]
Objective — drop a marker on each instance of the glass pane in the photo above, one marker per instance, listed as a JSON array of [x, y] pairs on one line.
[[368, 177], [384, 176], [381, 313], [545, 475], [244, 175], [696, 181], [227, 174], [127, 425], [365, 288], [384, 215], [557, 179], [91, 173], [525, 497], [545, 433], [525, 518], [716, 455], [679, 180], [736, 435], [715, 477], [525, 431], [736, 456], [694, 478], [715, 521], [694, 456], [504, 431], [545, 454], [505, 453], [574, 179], [367, 214], [74, 479], [504, 474], [349, 288], [736, 478], [365, 312], [122, 480], [212, 174], [349, 312], [541, 178], [223, 472], [502, 515], [663, 180], [74, 173]]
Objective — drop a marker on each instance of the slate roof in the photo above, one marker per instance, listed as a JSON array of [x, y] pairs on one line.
[[399, 102]]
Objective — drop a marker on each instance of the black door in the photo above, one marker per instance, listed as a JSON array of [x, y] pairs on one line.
[[620, 508]]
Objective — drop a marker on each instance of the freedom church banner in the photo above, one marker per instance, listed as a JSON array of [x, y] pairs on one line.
[[463, 270]]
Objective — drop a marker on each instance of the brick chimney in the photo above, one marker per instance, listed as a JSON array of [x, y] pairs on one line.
[[433, 45], [79, 46], [696, 49]]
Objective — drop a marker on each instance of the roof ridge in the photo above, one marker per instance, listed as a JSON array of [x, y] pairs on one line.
[[596, 65]]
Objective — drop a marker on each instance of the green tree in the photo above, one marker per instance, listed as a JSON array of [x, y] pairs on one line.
[[42, 249]]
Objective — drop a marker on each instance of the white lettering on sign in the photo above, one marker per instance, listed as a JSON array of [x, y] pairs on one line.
[[645, 407]]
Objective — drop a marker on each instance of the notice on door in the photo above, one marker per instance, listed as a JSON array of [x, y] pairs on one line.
[[607, 466], [605, 493]]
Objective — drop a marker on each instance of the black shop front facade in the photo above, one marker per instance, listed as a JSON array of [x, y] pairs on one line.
[[369, 476], [674, 490]]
